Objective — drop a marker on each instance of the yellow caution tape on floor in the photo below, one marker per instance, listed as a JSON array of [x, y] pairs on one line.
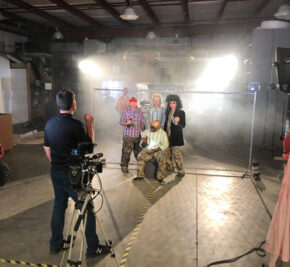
[[26, 263], [136, 229]]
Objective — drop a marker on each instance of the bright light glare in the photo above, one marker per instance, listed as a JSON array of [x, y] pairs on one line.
[[216, 77], [218, 186], [218, 74], [90, 68], [152, 144], [218, 206]]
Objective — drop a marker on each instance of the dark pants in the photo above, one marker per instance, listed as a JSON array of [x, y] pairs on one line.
[[62, 192]]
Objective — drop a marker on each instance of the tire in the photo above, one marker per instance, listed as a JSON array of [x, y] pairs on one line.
[[4, 172]]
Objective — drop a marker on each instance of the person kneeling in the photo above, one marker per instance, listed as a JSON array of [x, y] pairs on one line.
[[154, 143]]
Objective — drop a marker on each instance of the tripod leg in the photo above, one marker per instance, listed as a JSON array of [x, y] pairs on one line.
[[74, 227], [108, 242], [68, 238], [83, 236], [72, 236]]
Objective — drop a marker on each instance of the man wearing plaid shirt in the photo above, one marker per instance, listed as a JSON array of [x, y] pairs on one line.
[[132, 120]]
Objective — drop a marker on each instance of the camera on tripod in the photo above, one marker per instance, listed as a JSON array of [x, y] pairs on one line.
[[85, 166]]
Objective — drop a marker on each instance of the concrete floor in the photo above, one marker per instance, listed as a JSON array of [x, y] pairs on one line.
[[190, 222]]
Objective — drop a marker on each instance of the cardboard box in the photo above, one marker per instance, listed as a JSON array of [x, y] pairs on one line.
[[6, 133]]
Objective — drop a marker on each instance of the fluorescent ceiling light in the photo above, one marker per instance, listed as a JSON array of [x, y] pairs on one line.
[[129, 14]]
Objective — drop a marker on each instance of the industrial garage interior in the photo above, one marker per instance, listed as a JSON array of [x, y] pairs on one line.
[[227, 60]]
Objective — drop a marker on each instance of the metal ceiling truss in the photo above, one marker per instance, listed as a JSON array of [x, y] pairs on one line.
[[76, 12], [221, 12], [261, 7], [20, 19], [189, 27], [185, 11], [111, 10], [38, 12], [149, 11]]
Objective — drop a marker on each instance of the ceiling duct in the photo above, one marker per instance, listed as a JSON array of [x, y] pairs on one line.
[[274, 24]]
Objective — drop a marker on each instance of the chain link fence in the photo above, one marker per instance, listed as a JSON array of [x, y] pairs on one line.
[[218, 133]]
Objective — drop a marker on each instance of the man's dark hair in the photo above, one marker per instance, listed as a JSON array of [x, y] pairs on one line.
[[64, 99]]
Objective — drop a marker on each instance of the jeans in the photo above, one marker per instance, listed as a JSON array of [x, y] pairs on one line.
[[62, 192]]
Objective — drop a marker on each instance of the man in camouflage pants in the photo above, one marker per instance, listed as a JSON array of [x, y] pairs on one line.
[[155, 143]]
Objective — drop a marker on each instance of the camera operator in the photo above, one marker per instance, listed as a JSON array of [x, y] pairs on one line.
[[62, 134]]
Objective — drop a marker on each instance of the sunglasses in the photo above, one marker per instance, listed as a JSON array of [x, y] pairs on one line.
[[172, 102], [153, 128]]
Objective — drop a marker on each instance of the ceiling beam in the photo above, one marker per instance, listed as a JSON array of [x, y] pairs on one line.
[[221, 12], [261, 7], [164, 31], [185, 10], [38, 12], [7, 28], [76, 12], [13, 16], [149, 11], [111, 10]]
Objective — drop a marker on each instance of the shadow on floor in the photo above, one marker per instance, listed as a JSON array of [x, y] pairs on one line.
[[23, 160]]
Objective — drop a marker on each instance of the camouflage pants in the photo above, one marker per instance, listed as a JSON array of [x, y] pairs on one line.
[[129, 144], [159, 156], [174, 153]]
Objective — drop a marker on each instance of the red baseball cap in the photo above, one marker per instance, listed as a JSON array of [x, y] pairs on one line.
[[133, 99]]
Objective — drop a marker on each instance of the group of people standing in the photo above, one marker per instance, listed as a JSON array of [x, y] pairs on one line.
[[160, 131]]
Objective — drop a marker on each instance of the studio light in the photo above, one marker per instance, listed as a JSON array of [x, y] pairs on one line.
[[129, 13], [216, 77], [90, 68], [218, 74]]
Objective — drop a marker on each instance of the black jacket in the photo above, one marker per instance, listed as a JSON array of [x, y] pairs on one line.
[[176, 138]]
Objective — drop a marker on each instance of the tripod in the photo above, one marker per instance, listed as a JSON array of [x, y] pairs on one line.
[[80, 214]]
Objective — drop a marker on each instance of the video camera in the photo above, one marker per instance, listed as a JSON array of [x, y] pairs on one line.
[[85, 166]]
